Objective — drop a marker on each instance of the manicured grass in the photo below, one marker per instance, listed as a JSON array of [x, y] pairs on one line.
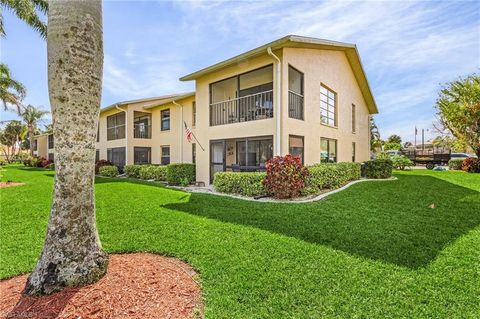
[[375, 250]]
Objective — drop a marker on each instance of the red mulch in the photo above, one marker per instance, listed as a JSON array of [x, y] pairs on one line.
[[9, 184], [135, 286]]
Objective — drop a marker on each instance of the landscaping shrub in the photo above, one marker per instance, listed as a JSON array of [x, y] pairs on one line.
[[108, 170], [176, 172], [401, 162], [331, 176], [285, 176], [378, 168], [45, 163], [455, 163], [132, 170], [471, 165], [50, 166], [247, 184], [37, 161], [101, 163], [156, 172]]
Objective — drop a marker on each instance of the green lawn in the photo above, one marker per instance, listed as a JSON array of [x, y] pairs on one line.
[[375, 250]]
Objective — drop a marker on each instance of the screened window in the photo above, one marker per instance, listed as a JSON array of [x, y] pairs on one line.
[[116, 156], [51, 157], [254, 152], [353, 152], [194, 153], [328, 106], [116, 126], [165, 119], [50, 141], [295, 93], [165, 150], [295, 146], [328, 150], [354, 119], [97, 155], [35, 145], [142, 155], [194, 113]]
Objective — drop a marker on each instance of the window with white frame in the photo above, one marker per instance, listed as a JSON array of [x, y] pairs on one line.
[[328, 106]]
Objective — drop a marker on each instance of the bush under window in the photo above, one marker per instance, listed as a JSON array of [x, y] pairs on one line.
[[330, 176], [156, 172], [101, 163], [132, 171], [180, 173], [247, 184], [108, 170], [285, 176]]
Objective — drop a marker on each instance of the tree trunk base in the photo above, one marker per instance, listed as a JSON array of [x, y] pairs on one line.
[[52, 274]]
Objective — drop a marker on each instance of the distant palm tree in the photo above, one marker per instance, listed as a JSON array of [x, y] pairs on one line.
[[26, 10], [375, 140], [11, 91], [31, 115]]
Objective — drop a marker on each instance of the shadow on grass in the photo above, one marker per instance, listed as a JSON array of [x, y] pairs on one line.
[[393, 222]]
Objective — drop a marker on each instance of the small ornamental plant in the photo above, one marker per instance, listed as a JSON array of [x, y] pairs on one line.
[[286, 176]]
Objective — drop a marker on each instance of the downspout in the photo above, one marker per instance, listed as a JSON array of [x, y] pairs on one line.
[[277, 104], [181, 129], [126, 132]]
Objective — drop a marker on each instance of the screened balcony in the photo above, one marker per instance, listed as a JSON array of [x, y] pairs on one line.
[[295, 94], [242, 98], [142, 127]]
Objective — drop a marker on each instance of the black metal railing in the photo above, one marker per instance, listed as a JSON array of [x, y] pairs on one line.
[[142, 131], [116, 132], [246, 108], [295, 105]]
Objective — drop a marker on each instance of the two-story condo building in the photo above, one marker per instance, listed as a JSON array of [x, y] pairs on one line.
[[297, 95]]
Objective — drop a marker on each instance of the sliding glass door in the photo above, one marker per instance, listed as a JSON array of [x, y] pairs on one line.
[[217, 157]]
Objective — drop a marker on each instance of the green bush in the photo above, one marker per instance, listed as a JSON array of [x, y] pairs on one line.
[[156, 172], [401, 162], [247, 184], [330, 176], [108, 170], [132, 170], [471, 165], [177, 172], [50, 166], [455, 164], [378, 168]]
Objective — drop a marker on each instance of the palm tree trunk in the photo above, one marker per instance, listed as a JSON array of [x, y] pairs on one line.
[[72, 254]]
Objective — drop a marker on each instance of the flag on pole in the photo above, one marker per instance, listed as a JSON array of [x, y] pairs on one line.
[[188, 133]]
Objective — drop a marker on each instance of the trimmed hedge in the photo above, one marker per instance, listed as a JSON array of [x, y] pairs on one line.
[[455, 164], [180, 173], [108, 170], [331, 176], [156, 172], [132, 170], [378, 168], [247, 184]]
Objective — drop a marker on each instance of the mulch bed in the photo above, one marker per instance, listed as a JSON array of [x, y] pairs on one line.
[[10, 184], [137, 285]]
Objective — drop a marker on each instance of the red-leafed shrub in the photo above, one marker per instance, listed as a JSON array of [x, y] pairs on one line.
[[471, 165], [286, 176], [101, 163], [45, 162]]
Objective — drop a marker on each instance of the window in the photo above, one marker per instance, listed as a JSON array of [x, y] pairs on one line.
[[328, 106], [165, 155], [142, 155], [97, 155], [328, 150], [35, 145], [50, 157], [116, 126], [254, 152], [141, 125], [295, 146], [165, 119], [354, 120], [116, 156], [50, 141], [98, 132], [353, 152], [194, 153], [295, 93], [194, 113]]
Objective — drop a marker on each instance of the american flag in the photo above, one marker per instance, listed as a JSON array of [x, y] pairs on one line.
[[188, 132]]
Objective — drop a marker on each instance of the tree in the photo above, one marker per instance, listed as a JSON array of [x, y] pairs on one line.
[[11, 91], [375, 141], [392, 146], [72, 254], [31, 115], [26, 10], [394, 139], [458, 109], [11, 137]]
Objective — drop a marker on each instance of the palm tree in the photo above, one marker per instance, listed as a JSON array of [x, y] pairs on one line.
[[72, 254], [26, 10], [375, 140], [31, 116], [11, 91]]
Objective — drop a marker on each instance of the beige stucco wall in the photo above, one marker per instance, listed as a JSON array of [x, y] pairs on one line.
[[332, 69], [42, 146]]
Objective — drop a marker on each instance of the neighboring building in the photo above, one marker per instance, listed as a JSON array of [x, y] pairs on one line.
[[297, 95]]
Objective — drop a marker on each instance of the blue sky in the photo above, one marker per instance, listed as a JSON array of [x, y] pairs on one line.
[[408, 48]]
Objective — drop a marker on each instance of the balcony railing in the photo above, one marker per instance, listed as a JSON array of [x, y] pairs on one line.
[[295, 105], [142, 131], [246, 108], [115, 132]]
